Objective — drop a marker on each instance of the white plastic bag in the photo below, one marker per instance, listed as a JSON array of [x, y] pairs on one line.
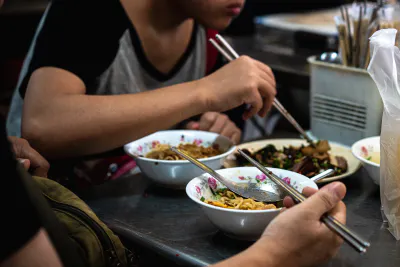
[[385, 70]]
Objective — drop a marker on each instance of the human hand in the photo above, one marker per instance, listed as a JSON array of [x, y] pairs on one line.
[[297, 237], [29, 157], [217, 123], [242, 81]]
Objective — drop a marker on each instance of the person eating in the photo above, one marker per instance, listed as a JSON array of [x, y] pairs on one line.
[[100, 74]]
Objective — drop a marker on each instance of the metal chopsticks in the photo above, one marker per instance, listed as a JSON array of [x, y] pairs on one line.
[[340, 229], [230, 54]]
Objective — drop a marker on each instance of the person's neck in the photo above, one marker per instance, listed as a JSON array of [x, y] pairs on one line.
[[164, 32], [161, 15]]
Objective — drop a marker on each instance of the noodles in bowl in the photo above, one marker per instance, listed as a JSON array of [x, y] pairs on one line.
[[157, 162], [164, 152], [235, 216], [229, 200]]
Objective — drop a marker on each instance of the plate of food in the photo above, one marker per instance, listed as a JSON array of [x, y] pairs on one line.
[[296, 155]]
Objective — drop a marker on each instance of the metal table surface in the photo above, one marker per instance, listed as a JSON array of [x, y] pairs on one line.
[[170, 224]]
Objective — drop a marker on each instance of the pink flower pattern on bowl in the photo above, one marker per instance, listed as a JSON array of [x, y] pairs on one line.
[[261, 177], [212, 183], [198, 190], [155, 143], [242, 178], [198, 141], [286, 180]]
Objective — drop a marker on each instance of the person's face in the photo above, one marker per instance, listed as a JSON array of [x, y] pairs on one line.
[[214, 14]]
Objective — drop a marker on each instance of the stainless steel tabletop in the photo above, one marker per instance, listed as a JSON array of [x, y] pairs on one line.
[[170, 224]]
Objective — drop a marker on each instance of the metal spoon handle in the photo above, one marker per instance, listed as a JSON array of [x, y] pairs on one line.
[[322, 175], [202, 166]]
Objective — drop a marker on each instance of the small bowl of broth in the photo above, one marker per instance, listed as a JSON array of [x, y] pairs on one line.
[[368, 151]]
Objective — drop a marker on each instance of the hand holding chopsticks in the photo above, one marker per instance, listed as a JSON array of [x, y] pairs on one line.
[[345, 233], [230, 54]]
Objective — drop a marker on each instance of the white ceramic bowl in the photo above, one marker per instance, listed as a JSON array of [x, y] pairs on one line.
[[240, 224], [176, 174], [368, 145]]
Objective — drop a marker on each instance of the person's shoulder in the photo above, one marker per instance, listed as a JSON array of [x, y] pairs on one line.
[[72, 10], [79, 36]]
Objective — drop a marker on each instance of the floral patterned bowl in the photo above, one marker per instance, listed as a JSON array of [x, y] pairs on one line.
[[176, 174], [240, 224]]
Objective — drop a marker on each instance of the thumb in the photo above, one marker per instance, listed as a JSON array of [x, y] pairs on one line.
[[193, 125], [26, 163], [41, 172], [325, 199]]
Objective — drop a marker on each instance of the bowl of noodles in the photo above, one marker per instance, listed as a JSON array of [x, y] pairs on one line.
[[235, 216], [157, 162], [368, 151]]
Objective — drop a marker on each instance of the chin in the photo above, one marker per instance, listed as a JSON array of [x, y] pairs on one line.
[[219, 25]]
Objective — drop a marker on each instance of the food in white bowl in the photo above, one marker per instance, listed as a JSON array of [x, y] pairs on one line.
[[235, 222], [173, 172], [368, 152]]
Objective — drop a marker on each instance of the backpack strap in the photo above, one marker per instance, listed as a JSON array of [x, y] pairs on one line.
[[212, 53]]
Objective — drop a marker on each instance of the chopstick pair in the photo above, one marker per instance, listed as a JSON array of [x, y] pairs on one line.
[[230, 54], [340, 229]]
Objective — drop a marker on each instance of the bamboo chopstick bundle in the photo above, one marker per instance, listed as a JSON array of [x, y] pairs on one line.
[[357, 23]]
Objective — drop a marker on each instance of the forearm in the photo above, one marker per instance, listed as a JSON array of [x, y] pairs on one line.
[[78, 124]]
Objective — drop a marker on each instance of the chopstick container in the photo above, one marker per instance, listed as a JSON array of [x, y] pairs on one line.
[[345, 103]]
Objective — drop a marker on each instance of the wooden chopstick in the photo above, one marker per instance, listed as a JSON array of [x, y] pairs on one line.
[[346, 19], [357, 38], [345, 233], [342, 44]]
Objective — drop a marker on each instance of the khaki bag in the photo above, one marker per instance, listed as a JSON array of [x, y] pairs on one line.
[[96, 242]]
